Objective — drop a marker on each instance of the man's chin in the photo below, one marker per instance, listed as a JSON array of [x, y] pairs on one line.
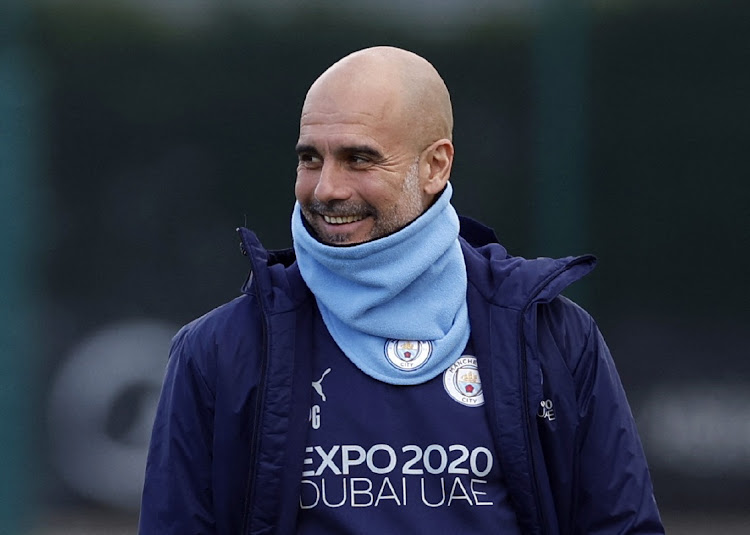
[[339, 240], [347, 239]]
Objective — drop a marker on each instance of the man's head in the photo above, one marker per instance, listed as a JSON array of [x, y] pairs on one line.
[[374, 145]]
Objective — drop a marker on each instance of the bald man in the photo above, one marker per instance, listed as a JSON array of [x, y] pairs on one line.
[[374, 145], [396, 371]]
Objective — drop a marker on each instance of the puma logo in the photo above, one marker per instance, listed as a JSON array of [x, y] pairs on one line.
[[318, 386]]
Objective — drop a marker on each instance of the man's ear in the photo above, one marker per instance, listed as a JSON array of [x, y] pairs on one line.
[[437, 160]]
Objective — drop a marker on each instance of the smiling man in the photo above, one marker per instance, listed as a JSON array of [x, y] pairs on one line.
[[397, 371], [374, 145]]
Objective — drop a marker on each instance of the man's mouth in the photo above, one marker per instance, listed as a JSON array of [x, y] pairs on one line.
[[340, 220]]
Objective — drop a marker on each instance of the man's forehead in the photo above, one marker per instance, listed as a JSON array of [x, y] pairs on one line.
[[315, 116], [347, 121], [347, 107], [347, 103], [337, 136]]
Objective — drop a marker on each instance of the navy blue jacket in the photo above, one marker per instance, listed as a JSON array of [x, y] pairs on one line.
[[230, 432]]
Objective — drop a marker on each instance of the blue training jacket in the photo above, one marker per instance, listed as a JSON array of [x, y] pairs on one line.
[[228, 443]]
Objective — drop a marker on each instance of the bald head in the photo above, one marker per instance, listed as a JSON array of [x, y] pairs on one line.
[[374, 145], [397, 84]]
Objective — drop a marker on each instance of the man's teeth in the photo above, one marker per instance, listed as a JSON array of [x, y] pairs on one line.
[[342, 220]]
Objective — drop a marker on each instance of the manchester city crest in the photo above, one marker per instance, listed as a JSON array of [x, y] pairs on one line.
[[408, 355], [462, 382]]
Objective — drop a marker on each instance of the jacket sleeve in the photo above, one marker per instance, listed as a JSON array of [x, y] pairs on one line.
[[177, 495], [614, 493]]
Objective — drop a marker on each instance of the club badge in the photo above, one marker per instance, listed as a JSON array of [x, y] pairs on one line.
[[408, 355], [462, 382]]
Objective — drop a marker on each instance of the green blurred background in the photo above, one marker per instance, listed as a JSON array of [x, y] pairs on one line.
[[136, 135]]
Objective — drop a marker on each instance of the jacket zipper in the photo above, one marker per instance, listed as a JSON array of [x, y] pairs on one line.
[[525, 397], [254, 446], [255, 432], [525, 389]]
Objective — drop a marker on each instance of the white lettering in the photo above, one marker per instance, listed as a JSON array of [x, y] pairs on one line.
[[315, 416], [407, 469], [463, 494], [367, 492], [391, 459], [473, 461], [424, 498], [546, 410], [347, 460], [463, 455], [440, 468], [354, 492], [308, 460], [475, 492], [391, 496], [382, 459], [325, 494], [313, 503], [327, 460]]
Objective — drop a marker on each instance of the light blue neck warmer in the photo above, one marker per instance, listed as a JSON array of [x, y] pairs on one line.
[[396, 306]]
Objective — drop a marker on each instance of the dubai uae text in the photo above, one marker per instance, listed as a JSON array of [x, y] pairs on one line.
[[434, 476]]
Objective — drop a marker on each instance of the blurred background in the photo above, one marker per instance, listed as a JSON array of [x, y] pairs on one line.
[[135, 136]]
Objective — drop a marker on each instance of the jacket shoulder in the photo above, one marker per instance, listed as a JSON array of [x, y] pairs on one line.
[[221, 321], [219, 335], [568, 326]]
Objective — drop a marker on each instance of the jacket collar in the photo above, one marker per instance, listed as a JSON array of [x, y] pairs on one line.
[[515, 282], [274, 276]]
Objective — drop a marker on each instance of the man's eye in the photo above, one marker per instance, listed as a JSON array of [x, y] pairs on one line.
[[359, 160], [309, 159]]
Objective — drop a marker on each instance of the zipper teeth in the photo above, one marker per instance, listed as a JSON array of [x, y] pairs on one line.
[[527, 429], [254, 446], [255, 441]]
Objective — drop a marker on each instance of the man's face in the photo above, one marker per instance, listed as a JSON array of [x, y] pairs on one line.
[[358, 177]]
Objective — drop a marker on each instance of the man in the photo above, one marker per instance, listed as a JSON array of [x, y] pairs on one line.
[[389, 375]]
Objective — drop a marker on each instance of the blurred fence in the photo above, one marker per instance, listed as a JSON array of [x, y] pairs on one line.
[[160, 140]]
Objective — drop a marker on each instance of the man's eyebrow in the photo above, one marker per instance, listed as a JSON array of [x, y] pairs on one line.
[[346, 150], [303, 148], [366, 150]]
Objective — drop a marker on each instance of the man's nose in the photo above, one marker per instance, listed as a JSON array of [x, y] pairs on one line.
[[333, 183]]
